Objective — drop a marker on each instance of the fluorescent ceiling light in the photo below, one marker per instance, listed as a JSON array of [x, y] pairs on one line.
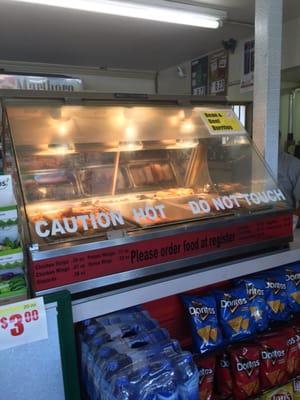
[[153, 10]]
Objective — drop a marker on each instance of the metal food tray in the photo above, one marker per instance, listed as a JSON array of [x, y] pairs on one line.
[[25, 177], [122, 169], [155, 185]]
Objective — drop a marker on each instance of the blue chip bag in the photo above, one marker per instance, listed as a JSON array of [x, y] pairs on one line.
[[255, 288], [234, 313], [276, 295], [202, 311], [292, 280]]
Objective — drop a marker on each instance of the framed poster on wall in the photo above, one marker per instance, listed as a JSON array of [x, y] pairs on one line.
[[218, 73], [210, 74], [247, 79], [200, 76]]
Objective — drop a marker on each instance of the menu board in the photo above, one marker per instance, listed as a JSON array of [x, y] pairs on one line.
[[218, 73], [209, 74], [200, 76]]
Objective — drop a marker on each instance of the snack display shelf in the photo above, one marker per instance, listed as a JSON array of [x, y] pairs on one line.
[[130, 296]]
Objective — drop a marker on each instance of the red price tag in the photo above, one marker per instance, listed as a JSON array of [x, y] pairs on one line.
[[22, 322]]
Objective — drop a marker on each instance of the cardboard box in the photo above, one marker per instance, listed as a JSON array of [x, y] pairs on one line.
[[7, 197], [8, 215], [12, 286], [9, 232], [11, 258]]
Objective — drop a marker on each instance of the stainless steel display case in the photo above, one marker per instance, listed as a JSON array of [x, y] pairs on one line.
[[104, 177]]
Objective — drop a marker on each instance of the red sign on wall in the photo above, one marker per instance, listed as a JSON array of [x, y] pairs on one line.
[[77, 267]]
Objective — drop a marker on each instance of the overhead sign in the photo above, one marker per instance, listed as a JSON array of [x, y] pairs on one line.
[[23, 322], [40, 83], [222, 122]]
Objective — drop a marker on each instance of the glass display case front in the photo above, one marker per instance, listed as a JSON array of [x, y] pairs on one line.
[[86, 170], [91, 172]]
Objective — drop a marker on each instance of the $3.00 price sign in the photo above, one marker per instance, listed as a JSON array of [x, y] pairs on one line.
[[23, 322]]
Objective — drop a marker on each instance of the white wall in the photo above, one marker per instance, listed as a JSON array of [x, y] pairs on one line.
[[170, 83], [107, 83], [286, 89], [290, 52]]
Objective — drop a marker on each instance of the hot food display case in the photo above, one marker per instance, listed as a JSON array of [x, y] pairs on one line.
[[115, 191]]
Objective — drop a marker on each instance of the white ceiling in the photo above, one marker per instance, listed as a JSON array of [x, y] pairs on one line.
[[50, 35]]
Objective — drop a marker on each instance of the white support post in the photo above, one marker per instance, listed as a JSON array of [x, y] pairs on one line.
[[268, 30]]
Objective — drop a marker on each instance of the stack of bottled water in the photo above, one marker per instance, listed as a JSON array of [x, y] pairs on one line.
[[127, 356]]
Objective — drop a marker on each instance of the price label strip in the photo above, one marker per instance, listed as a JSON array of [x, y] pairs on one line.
[[23, 322]]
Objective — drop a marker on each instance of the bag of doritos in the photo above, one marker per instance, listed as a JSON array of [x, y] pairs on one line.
[[255, 288], [234, 313], [245, 365], [273, 355], [292, 350], [296, 326], [206, 367], [223, 377], [276, 295], [292, 279], [202, 311]]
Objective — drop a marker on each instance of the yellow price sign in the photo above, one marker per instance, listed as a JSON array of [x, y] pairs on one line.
[[222, 122]]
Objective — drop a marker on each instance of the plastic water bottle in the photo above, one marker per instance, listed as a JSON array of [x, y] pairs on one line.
[[121, 317], [166, 348], [167, 391], [144, 338], [136, 360], [111, 350], [85, 339], [115, 356], [121, 389], [112, 332], [109, 318], [126, 385], [161, 380], [108, 334], [187, 376]]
